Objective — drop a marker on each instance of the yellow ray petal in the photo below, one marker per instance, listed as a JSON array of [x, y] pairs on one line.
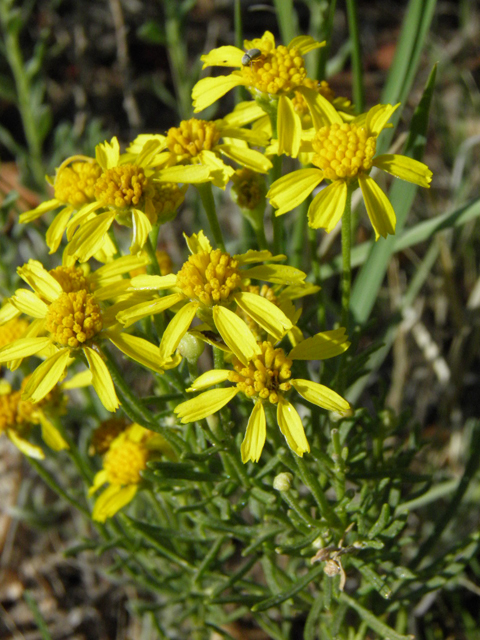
[[208, 379], [289, 191], [112, 500], [264, 313], [55, 231], [22, 348], [321, 395], [235, 333], [244, 113], [204, 405], [198, 242], [176, 329], [276, 273], [141, 228], [118, 267], [101, 380], [377, 118], [42, 282], [404, 168], [28, 302], [138, 349], [51, 435], [90, 236], [33, 214], [153, 283], [252, 256], [219, 172], [254, 441], [188, 174], [322, 111], [107, 154], [46, 376], [304, 44], [8, 312], [291, 426], [328, 206], [321, 346], [227, 56], [246, 157], [379, 209], [79, 380], [209, 90], [145, 309], [25, 447], [289, 128]]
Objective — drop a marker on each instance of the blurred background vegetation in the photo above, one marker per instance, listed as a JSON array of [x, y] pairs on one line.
[[75, 73]]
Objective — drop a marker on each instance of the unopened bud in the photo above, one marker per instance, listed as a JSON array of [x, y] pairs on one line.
[[191, 347], [283, 481]]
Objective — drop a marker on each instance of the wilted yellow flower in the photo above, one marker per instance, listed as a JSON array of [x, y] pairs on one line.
[[267, 377], [105, 434], [18, 417], [126, 458], [209, 285], [71, 317], [344, 154]]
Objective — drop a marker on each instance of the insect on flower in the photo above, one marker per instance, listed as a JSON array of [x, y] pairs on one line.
[[250, 56]]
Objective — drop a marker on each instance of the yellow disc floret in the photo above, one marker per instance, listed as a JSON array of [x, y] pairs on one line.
[[122, 186], [74, 184], [209, 277], [277, 70], [70, 278], [12, 330], [343, 150], [74, 318], [265, 376], [191, 137], [125, 460]]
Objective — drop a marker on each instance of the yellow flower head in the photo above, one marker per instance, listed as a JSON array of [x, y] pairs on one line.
[[74, 182], [194, 152], [18, 417], [345, 154], [126, 458], [267, 377], [274, 76], [69, 321], [210, 285]]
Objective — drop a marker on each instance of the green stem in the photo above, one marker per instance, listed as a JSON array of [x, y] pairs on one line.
[[317, 276], [310, 480], [154, 267], [276, 173], [346, 258], [206, 195], [358, 88]]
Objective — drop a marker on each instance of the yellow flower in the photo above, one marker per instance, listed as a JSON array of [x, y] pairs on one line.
[[267, 377], [209, 285], [105, 434], [344, 154], [74, 191], [71, 318], [196, 145], [126, 458], [18, 417], [272, 77]]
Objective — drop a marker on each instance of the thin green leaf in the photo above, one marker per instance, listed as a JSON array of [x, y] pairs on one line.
[[373, 622]]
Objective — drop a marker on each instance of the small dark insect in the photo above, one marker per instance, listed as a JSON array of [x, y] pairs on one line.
[[250, 56]]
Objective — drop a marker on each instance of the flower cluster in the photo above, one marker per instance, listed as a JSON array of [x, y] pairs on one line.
[[244, 304]]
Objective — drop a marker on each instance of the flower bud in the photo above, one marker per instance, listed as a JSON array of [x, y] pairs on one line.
[[283, 481], [191, 347]]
